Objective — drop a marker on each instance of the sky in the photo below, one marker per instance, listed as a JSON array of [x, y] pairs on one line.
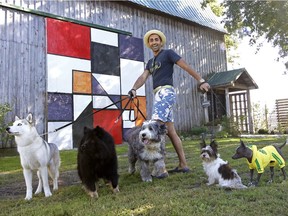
[[265, 71]]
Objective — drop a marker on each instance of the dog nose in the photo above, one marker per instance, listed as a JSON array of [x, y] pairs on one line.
[[143, 134], [7, 129]]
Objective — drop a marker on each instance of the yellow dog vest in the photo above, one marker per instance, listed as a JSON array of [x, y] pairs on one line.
[[262, 157]]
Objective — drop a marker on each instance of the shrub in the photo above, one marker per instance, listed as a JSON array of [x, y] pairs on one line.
[[262, 131], [198, 130], [4, 137]]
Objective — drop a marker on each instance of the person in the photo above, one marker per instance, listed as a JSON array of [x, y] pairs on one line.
[[161, 69]]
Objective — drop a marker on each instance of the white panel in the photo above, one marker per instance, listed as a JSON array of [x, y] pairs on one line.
[[111, 84], [104, 37], [60, 72], [125, 115], [80, 103], [126, 122], [100, 102], [130, 71], [63, 137]]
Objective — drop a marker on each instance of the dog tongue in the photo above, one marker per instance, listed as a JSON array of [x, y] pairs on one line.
[[145, 141]]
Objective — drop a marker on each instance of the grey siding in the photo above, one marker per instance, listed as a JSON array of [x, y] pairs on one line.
[[23, 48], [23, 64]]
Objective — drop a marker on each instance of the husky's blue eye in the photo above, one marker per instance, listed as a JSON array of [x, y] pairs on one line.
[[19, 124]]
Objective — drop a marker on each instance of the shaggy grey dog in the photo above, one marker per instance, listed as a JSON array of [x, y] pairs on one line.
[[147, 145]]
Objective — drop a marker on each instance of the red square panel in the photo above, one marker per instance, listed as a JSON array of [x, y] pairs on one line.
[[106, 119], [68, 39]]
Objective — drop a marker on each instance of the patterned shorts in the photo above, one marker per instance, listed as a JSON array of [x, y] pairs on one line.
[[164, 99]]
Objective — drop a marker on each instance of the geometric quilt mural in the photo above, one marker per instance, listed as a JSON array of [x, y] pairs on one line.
[[90, 72]]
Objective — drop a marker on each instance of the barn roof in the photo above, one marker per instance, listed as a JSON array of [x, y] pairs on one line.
[[238, 79], [189, 10]]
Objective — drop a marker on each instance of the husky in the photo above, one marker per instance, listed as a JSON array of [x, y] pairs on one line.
[[35, 154]]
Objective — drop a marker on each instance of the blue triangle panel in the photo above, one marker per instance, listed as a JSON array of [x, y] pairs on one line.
[[116, 98], [97, 89]]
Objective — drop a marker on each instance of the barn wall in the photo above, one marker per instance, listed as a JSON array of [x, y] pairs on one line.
[[23, 52]]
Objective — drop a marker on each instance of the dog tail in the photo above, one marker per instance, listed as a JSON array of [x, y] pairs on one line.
[[286, 142]]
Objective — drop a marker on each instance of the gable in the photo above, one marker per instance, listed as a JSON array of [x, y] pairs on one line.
[[235, 80]]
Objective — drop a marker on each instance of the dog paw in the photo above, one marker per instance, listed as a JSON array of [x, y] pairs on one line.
[[48, 194], [28, 197], [252, 184], [116, 190], [131, 170], [270, 181], [147, 179], [93, 194], [38, 191], [162, 176]]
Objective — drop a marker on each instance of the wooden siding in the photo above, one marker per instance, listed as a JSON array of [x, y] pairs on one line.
[[23, 52], [282, 113], [23, 64]]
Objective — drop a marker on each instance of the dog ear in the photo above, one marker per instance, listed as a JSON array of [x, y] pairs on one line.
[[99, 131], [203, 144], [29, 118], [17, 118], [162, 128], [214, 145], [242, 143], [86, 130]]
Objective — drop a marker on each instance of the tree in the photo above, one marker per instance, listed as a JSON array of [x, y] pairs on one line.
[[231, 39], [257, 19]]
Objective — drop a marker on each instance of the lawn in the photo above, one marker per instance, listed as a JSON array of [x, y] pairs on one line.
[[179, 194]]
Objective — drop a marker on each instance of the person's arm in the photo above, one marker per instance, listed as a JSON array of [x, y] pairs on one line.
[[139, 82], [202, 84]]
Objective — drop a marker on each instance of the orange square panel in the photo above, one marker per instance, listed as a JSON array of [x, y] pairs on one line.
[[82, 82]]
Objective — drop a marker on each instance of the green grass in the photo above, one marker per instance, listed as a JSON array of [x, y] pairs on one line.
[[179, 194]]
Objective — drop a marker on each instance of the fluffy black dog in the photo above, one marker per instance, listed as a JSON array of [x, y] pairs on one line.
[[97, 159]]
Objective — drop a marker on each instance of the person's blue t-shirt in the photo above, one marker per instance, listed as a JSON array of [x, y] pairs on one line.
[[161, 67]]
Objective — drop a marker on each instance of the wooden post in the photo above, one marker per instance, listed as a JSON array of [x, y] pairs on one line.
[[250, 120], [227, 99]]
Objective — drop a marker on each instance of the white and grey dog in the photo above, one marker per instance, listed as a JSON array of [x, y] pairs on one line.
[[35, 154], [218, 170], [147, 144]]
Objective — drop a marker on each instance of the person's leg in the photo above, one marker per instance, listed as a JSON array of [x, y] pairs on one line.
[[177, 144], [162, 111]]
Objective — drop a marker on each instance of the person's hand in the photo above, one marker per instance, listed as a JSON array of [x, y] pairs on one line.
[[132, 93], [204, 86]]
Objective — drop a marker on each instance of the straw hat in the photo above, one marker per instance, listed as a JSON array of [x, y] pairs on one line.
[[154, 31]]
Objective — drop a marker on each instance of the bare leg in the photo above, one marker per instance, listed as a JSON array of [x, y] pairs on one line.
[[177, 143]]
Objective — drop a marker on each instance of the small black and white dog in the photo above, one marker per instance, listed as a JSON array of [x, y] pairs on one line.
[[218, 170], [97, 159], [147, 144]]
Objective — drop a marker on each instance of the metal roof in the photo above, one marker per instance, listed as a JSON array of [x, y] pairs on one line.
[[186, 9], [238, 79]]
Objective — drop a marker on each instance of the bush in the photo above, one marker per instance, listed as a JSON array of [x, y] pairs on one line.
[[198, 130], [4, 137], [262, 131]]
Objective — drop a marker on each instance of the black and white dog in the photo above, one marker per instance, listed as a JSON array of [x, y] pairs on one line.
[[147, 144], [218, 170]]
